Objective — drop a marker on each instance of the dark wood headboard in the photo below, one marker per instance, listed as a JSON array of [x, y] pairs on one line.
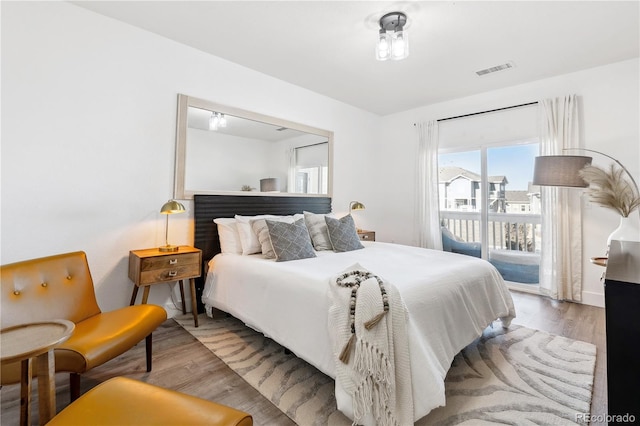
[[209, 207]]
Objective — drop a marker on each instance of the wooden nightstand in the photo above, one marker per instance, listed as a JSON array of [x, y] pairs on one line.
[[151, 266], [366, 235]]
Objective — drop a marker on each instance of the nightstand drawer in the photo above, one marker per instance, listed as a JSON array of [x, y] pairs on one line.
[[169, 261], [367, 235], [169, 274]]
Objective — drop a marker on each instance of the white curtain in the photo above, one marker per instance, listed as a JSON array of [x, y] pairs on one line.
[[561, 257], [291, 172], [427, 214]]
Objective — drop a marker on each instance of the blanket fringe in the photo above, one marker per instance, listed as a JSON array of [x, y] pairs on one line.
[[373, 363], [369, 398], [346, 351]]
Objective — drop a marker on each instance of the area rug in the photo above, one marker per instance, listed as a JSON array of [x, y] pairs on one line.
[[515, 376]]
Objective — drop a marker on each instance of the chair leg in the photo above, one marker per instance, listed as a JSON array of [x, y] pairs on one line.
[[74, 386], [149, 345]]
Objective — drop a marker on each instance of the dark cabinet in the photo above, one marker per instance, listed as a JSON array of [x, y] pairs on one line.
[[622, 302]]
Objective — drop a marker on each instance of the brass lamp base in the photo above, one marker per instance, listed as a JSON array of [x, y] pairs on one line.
[[168, 249]]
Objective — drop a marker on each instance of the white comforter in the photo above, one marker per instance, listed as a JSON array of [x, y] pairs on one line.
[[450, 298]]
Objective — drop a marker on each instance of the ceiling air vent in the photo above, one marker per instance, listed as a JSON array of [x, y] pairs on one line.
[[495, 69]]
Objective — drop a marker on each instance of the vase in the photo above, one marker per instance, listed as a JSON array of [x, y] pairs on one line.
[[628, 230]]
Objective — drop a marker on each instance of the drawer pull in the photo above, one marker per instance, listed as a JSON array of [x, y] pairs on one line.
[[173, 261], [173, 273]]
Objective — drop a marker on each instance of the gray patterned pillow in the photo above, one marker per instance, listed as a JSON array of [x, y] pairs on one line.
[[260, 228], [290, 241], [343, 234], [318, 230]]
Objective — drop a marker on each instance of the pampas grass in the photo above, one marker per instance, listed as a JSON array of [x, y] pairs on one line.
[[610, 189]]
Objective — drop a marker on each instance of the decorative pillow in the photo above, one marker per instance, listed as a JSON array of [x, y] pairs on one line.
[[290, 241], [248, 238], [259, 227], [229, 237], [318, 230], [343, 234]]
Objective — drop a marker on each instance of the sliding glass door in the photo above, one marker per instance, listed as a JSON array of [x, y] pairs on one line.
[[489, 209]]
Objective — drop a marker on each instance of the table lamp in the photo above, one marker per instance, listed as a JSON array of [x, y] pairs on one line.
[[355, 205], [170, 207]]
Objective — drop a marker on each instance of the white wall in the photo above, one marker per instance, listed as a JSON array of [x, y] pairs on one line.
[[609, 108], [88, 136], [209, 166]]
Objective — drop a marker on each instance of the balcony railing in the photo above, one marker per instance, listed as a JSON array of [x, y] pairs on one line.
[[513, 242], [506, 231]]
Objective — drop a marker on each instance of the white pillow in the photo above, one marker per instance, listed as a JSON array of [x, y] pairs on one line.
[[318, 230], [248, 238], [229, 236]]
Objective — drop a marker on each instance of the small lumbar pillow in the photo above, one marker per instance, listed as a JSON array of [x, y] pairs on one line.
[[290, 241], [343, 234]]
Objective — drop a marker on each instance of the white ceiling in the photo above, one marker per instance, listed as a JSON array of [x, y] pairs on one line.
[[328, 46]]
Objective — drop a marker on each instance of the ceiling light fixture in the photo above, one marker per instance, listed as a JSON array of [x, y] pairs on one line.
[[393, 42], [217, 120]]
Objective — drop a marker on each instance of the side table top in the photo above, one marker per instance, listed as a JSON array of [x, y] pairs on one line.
[[28, 340], [152, 252]]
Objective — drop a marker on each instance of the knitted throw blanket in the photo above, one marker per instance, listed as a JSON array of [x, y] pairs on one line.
[[368, 326]]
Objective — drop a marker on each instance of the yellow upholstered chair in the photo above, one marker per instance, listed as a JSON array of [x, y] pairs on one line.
[[60, 287], [122, 401]]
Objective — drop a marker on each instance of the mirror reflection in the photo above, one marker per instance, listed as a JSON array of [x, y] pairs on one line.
[[222, 149]]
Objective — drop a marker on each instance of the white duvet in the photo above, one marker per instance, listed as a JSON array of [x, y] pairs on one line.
[[450, 298]]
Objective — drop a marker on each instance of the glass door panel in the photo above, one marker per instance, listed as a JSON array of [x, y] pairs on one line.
[[513, 220], [460, 198]]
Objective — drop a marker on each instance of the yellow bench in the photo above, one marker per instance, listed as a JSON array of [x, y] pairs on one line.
[[122, 401]]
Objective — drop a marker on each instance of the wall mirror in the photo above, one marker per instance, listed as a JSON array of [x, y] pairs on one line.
[[223, 150]]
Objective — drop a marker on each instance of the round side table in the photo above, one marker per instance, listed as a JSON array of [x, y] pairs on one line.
[[23, 343]]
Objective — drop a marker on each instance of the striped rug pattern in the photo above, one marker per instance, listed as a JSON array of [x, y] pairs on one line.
[[514, 376]]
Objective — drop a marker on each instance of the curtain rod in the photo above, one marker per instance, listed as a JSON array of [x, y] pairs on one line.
[[313, 144], [485, 112]]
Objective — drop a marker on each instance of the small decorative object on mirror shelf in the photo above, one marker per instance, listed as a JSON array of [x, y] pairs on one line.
[[247, 188]]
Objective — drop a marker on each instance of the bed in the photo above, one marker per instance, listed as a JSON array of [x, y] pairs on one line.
[[450, 298]]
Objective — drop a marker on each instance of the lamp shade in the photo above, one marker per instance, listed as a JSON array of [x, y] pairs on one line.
[[356, 205], [270, 185], [171, 207], [560, 170]]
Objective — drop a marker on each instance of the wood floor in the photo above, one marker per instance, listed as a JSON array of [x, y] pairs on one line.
[[180, 362]]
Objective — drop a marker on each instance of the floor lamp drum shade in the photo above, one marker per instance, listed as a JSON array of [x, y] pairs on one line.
[[270, 185], [560, 170]]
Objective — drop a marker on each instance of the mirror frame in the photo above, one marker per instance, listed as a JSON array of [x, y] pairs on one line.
[[185, 101]]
